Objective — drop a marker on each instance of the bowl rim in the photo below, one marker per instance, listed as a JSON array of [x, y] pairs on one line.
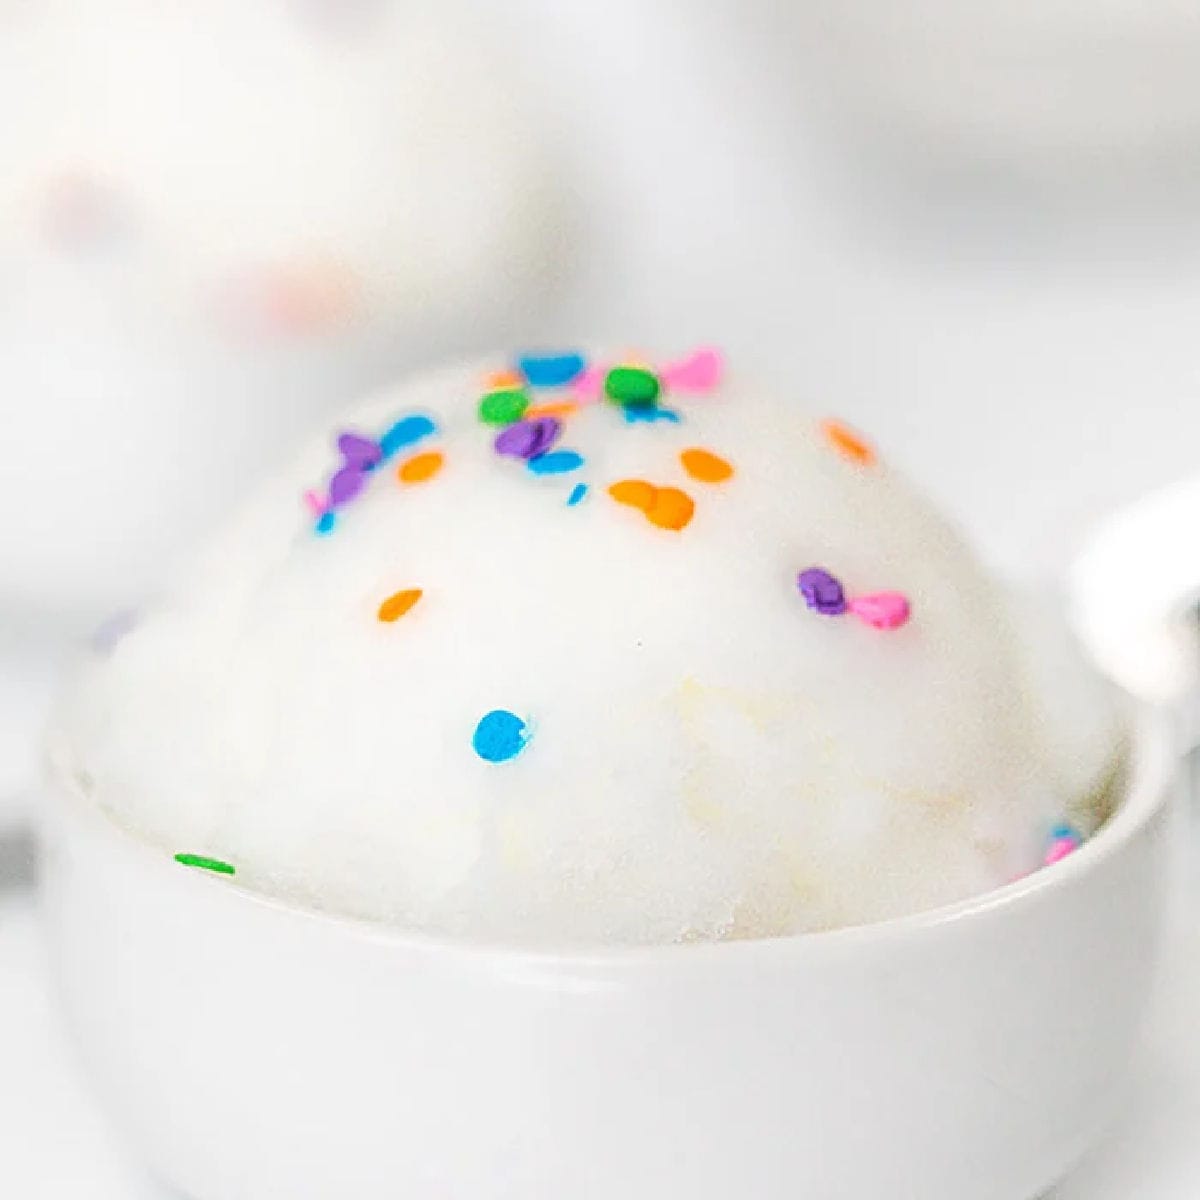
[[1146, 793]]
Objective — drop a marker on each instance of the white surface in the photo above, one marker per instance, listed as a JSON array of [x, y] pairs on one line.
[[251, 1049]]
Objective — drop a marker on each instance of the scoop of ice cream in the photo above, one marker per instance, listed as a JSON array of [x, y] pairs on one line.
[[591, 651]]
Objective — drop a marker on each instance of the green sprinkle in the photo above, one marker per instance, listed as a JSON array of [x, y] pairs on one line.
[[503, 407], [632, 385], [206, 864]]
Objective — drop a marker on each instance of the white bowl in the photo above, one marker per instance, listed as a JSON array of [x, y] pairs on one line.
[[250, 1050]]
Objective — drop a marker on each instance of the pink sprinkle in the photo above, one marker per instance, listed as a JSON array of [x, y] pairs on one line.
[[314, 502], [1059, 849], [587, 387], [699, 372], [882, 610]]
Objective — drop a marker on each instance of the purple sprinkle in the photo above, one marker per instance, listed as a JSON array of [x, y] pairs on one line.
[[359, 451], [528, 439], [822, 592], [346, 484], [105, 638]]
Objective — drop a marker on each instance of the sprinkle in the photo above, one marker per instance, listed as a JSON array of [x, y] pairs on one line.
[[637, 493], [346, 484], [631, 385], [394, 607], [557, 462], [503, 381], [699, 372], [205, 864], [110, 632], [1064, 839], [499, 736], [314, 502], [503, 407], [822, 592], [848, 443], [882, 610], [1058, 849], [405, 432], [672, 509], [358, 451], [650, 413], [560, 408], [577, 493], [421, 467], [325, 523], [589, 385], [551, 370], [527, 439], [303, 297], [704, 466]]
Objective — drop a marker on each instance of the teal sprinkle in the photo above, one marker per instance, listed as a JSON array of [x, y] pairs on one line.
[[650, 413], [551, 370], [577, 493], [1065, 831], [325, 523], [557, 462], [405, 432], [499, 736]]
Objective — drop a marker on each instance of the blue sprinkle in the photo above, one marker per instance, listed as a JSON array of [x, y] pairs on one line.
[[1065, 831], [650, 413], [499, 736], [326, 522], [557, 462], [577, 493], [551, 370], [405, 432]]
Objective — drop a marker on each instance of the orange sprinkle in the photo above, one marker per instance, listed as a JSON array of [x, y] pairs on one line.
[[500, 381], [672, 509], [561, 408], [847, 442], [705, 466], [421, 467], [394, 607], [637, 493]]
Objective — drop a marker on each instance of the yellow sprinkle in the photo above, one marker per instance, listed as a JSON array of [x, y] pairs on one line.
[[421, 467], [394, 607], [705, 466], [502, 380], [637, 493], [672, 509], [848, 443]]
